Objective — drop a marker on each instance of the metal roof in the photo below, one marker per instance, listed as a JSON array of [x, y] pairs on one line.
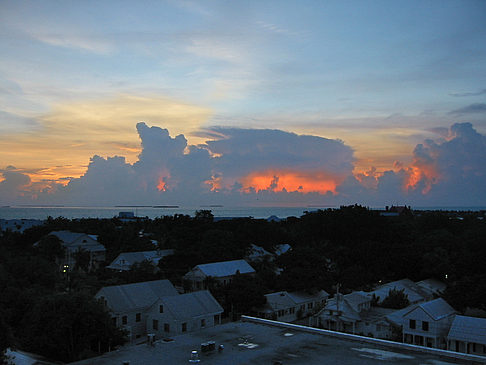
[[436, 309], [468, 329], [414, 292], [191, 305], [225, 268], [129, 297], [134, 257]]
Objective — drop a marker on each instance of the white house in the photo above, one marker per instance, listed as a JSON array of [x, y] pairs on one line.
[[289, 307], [343, 312], [183, 313], [74, 242], [222, 272], [130, 303], [427, 324], [125, 260], [468, 335]]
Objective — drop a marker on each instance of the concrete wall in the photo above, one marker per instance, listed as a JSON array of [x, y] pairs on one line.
[[384, 343]]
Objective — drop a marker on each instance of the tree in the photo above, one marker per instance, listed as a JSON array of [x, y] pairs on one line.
[[82, 258], [51, 248], [396, 299], [69, 327], [244, 294], [6, 340]]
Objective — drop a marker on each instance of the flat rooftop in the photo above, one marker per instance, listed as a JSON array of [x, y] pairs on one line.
[[251, 343]]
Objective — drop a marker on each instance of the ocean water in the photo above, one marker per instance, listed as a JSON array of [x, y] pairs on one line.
[[42, 212]]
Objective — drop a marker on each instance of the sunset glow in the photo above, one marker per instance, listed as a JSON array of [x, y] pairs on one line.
[[303, 182]]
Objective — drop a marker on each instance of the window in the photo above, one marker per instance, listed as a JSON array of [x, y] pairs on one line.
[[155, 325], [113, 320], [474, 347], [203, 323], [281, 312], [161, 308], [412, 324], [124, 320], [302, 307], [138, 317], [184, 327], [216, 319], [310, 305], [166, 327], [425, 326], [292, 310]]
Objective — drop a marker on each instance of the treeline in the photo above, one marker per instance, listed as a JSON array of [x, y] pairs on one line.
[[46, 311]]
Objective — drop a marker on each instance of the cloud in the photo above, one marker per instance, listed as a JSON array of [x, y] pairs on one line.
[[477, 93], [72, 132], [12, 184], [448, 171], [269, 167], [471, 109]]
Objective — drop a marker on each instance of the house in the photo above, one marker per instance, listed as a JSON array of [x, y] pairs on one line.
[[468, 335], [257, 253], [427, 324], [188, 312], [74, 242], [125, 260], [343, 312], [222, 272], [129, 304], [414, 292], [282, 248], [289, 307]]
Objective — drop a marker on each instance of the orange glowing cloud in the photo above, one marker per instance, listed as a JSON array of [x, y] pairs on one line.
[[426, 173], [301, 181], [161, 186]]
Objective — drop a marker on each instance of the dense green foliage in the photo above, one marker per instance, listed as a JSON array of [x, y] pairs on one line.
[[353, 246]]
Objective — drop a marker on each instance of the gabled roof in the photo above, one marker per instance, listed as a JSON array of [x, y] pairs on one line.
[[282, 248], [436, 309], [414, 292], [191, 305], [280, 300], [225, 268], [468, 329], [67, 236], [356, 298], [256, 252], [346, 311], [302, 297], [134, 257], [128, 297], [432, 286]]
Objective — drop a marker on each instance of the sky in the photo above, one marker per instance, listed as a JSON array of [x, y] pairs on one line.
[[244, 103]]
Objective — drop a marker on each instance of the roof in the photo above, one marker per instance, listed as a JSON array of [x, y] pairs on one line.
[[225, 268], [414, 292], [356, 298], [396, 317], [432, 286], [67, 236], [436, 309], [256, 252], [282, 248], [134, 257], [128, 297], [302, 297], [191, 305], [347, 312], [468, 329], [272, 344], [280, 300]]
